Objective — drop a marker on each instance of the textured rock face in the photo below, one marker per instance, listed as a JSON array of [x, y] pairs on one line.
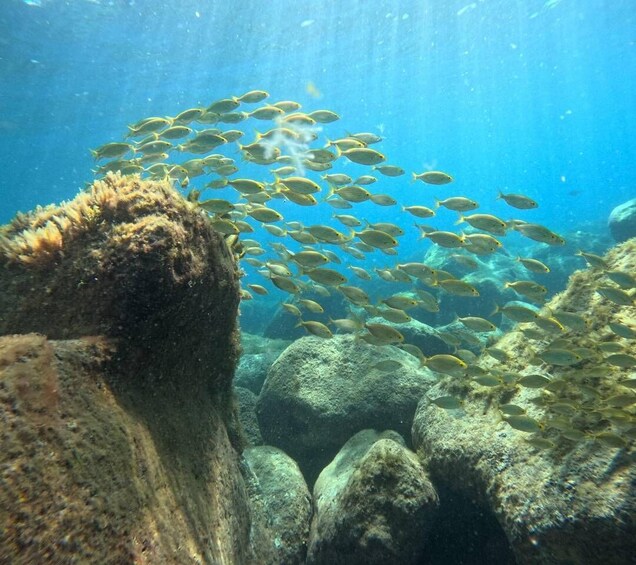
[[128, 259], [119, 448], [572, 500], [320, 392], [622, 221], [281, 506], [246, 403], [257, 356], [373, 503]]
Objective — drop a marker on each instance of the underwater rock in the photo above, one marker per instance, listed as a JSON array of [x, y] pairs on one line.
[[622, 221], [281, 506], [93, 473], [122, 447], [257, 355], [246, 401], [127, 258], [565, 494], [320, 392], [374, 504]]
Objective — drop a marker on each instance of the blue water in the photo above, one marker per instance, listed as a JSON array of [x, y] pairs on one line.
[[525, 96]]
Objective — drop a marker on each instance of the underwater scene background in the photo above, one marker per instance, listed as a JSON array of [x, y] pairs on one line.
[[438, 329]]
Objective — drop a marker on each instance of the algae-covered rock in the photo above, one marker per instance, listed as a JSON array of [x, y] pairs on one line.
[[320, 392], [622, 221], [246, 402], [122, 447], [91, 474], [281, 506], [128, 258], [373, 503], [567, 493]]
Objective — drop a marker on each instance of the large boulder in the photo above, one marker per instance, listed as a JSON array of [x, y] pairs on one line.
[[374, 504], [257, 355], [281, 506], [622, 221], [119, 441], [320, 392], [560, 478]]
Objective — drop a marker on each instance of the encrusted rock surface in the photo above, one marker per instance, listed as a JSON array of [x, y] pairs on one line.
[[374, 504], [122, 447], [281, 506], [246, 404], [622, 221], [570, 500], [320, 392]]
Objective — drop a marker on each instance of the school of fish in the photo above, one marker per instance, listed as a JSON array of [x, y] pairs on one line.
[[292, 161]]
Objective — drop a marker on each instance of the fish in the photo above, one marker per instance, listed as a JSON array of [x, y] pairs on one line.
[[539, 233], [534, 380], [353, 193], [518, 201], [266, 113], [258, 289], [216, 206], [223, 105], [360, 273], [389, 170], [457, 204], [530, 289], [524, 423], [311, 305], [365, 180], [386, 334], [485, 222], [445, 238], [112, 150], [323, 116], [561, 357], [445, 363], [433, 177], [388, 365], [625, 280], [419, 211], [533, 265], [383, 200], [362, 155], [458, 287], [287, 105], [366, 138], [394, 315], [316, 328], [477, 324], [400, 302], [593, 260], [266, 215], [517, 313], [188, 115], [377, 238], [615, 295], [447, 402], [327, 234], [329, 277], [300, 185], [285, 284], [253, 96], [338, 179]]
